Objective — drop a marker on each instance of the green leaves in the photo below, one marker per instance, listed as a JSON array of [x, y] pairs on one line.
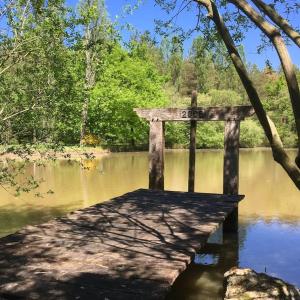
[[127, 82], [48, 50]]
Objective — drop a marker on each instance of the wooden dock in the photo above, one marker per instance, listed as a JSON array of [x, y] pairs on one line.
[[131, 247]]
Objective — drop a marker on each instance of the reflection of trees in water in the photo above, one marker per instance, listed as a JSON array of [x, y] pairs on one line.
[[118, 173], [269, 193], [99, 180], [253, 163], [209, 165], [121, 172], [12, 217], [243, 228], [204, 279]]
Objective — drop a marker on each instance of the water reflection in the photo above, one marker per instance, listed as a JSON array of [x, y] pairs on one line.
[[270, 247], [204, 277], [269, 236]]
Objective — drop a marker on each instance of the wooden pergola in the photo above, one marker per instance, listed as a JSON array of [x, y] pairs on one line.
[[231, 115]]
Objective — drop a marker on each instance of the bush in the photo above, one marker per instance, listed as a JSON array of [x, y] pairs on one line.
[[91, 140], [290, 140], [252, 134], [177, 135], [225, 97], [210, 135], [126, 83]]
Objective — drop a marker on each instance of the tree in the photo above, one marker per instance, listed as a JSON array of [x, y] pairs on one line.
[[35, 80], [145, 47], [201, 56], [175, 60], [93, 18], [188, 78], [128, 81], [42, 79], [242, 15]]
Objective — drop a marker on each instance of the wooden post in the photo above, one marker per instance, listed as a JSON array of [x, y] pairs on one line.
[[192, 154], [156, 155], [230, 251], [231, 170]]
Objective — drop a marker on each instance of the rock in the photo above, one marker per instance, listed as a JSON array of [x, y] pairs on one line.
[[246, 284]]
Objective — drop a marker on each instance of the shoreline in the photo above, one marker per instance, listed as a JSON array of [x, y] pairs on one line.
[[93, 153], [69, 154]]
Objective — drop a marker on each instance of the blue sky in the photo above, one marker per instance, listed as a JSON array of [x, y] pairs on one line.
[[143, 19]]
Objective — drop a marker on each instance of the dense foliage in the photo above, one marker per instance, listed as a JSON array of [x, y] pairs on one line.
[[43, 88]]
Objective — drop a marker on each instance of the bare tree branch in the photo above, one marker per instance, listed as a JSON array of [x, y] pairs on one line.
[[12, 64], [279, 21], [18, 113], [6, 7]]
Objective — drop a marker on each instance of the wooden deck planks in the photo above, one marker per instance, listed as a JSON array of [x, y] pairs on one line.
[[131, 247]]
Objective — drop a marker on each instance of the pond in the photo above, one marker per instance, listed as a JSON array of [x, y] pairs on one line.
[[269, 233]]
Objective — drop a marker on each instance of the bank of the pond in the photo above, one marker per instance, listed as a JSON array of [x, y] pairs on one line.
[[67, 153], [79, 153]]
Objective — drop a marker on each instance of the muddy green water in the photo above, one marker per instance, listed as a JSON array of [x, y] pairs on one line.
[[269, 236]]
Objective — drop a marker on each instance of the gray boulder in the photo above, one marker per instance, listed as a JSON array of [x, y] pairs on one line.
[[246, 284]]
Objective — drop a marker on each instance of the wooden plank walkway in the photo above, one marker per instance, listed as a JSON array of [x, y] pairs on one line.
[[131, 247]]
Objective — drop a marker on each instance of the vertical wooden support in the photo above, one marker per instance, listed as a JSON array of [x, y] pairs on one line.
[[231, 170], [230, 251], [156, 155], [192, 154]]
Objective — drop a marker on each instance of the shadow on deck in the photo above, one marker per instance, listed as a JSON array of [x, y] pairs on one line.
[[131, 247]]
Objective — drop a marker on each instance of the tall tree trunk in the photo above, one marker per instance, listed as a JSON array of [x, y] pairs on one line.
[[8, 132], [95, 14], [289, 71], [279, 153], [89, 81], [132, 138], [279, 21], [34, 136]]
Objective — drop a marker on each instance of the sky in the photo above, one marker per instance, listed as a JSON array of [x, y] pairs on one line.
[[143, 19]]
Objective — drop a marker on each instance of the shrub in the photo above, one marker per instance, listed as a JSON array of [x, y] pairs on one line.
[[252, 134], [210, 135]]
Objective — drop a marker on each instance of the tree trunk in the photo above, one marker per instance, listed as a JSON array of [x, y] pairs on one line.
[[289, 71], [9, 132], [279, 21], [89, 81], [270, 130], [34, 136], [132, 138]]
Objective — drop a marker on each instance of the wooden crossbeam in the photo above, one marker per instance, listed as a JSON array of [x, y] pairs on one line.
[[226, 113]]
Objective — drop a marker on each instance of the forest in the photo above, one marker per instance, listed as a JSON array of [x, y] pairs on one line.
[[68, 77]]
